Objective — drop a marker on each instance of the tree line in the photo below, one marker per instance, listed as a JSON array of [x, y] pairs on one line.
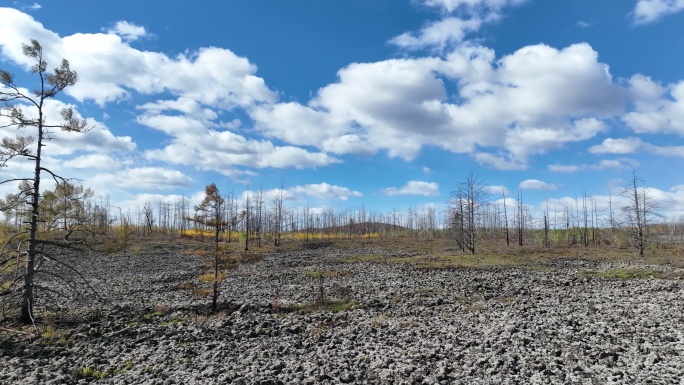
[[475, 215]]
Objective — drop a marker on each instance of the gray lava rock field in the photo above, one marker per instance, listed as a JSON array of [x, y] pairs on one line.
[[384, 324]]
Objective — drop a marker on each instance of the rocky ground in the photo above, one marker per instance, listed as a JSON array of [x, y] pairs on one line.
[[385, 324]]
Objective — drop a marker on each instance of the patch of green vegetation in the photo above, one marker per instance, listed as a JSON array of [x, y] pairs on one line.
[[53, 336], [328, 306], [5, 285], [474, 261], [153, 314], [49, 332], [173, 321], [89, 373], [633, 273], [445, 261], [128, 366]]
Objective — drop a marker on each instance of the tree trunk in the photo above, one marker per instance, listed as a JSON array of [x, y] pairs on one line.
[[26, 315]]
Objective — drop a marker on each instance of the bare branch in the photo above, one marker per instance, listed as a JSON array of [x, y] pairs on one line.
[[56, 177]]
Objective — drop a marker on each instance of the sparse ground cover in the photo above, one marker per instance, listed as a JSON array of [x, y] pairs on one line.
[[375, 311]]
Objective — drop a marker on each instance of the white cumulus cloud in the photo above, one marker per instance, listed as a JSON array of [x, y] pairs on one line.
[[128, 31], [144, 178], [648, 11], [532, 101], [325, 191], [617, 146], [535, 184], [415, 187], [461, 17]]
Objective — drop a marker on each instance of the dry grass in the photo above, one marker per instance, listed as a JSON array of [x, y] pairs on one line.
[[439, 253], [633, 273]]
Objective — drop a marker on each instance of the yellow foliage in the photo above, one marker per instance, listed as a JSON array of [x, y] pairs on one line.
[[202, 292], [195, 232], [209, 277]]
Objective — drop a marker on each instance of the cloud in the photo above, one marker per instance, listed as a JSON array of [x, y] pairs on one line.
[[567, 168], [677, 151], [34, 7], [197, 87], [144, 178], [450, 6], [635, 145], [414, 188], [617, 146], [496, 190], [439, 34], [501, 111], [584, 24], [658, 109], [535, 184], [111, 70], [606, 164], [93, 161], [128, 31], [325, 191], [64, 150], [649, 11], [498, 113], [460, 18], [670, 203], [135, 202], [182, 104], [500, 161], [194, 143]]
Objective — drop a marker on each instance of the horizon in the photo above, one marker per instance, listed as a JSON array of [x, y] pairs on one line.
[[386, 105]]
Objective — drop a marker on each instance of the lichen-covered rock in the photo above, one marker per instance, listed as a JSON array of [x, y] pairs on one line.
[[406, 326]]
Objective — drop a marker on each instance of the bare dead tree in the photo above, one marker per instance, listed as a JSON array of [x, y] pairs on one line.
[[148, 213], [508, 240], [639, 213], [520, 219], [248, 208], [547, 242], [470, 197], [29, 148], [278, 215], [259, 217]]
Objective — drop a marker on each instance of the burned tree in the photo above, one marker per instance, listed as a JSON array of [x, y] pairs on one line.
[[30, 148], [278, 215], [467, 201], [639, 213]]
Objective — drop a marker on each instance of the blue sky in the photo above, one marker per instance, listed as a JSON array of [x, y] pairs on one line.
[[383, 103]]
